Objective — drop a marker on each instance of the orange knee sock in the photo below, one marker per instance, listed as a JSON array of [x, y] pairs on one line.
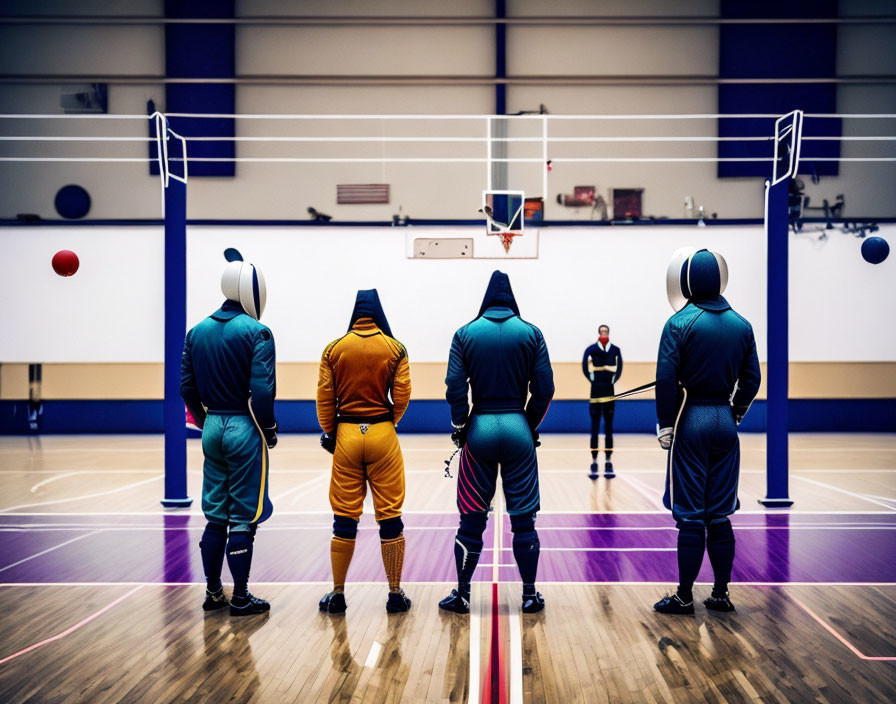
[[393, 560], [341, 551]]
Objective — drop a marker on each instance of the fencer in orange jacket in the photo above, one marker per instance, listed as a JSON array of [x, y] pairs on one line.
[[363, 390]]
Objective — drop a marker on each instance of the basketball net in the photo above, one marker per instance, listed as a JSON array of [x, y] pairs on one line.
[[502, 230]]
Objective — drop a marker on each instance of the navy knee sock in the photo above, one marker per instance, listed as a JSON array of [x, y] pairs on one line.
[[720, 546], [211, 547], [691, 545], [468, 548], [239, 560], [526, 549]]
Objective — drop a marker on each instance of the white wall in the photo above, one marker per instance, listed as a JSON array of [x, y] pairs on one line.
[[112, 310]]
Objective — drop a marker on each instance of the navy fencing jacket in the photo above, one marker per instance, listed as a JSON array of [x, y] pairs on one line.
[[706, 348], [606, 365], [502, 359]]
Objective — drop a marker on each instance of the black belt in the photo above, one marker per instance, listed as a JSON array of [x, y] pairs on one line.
[[228, 411], [370, 420]]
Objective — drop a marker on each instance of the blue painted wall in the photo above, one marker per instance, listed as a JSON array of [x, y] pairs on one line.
[[777, 51], [202, 51]]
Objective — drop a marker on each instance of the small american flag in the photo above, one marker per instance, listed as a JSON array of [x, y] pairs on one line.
[[359, 193]]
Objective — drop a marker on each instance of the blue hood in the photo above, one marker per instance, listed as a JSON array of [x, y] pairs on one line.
[[499, 294], [367, 305]]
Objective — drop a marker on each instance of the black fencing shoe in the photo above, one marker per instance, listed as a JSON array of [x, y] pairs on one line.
[[533, 603], [594, 473], [456, 602], [397, 602], [248, 605], [608, 470], [719, 603], [333, 603], [673, 605], [214, 600]]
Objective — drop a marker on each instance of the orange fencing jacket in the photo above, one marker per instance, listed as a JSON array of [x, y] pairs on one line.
[[358, 374]]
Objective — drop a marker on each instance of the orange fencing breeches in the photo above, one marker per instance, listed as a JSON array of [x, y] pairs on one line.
[[372, 457]]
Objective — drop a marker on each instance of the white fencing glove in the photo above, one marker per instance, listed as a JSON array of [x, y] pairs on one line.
[[664, 435]]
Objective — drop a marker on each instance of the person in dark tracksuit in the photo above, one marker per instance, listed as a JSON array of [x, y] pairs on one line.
[[502, 359], [602, 366], [228, 384], [707, 376]]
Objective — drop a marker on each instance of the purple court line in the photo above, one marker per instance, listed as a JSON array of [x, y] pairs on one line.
[[836, 635], [72, 629]]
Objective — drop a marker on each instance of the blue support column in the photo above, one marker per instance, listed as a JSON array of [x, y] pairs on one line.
[[175, 330], [500, 57], [777, 382]]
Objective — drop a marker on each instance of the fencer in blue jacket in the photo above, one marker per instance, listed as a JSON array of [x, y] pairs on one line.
[[502, 360], [707, 376]]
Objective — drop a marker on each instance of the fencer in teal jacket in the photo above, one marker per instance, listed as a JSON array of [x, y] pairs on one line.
[[228, 383]]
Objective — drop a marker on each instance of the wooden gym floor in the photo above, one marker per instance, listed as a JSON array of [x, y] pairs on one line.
[[100, 589]]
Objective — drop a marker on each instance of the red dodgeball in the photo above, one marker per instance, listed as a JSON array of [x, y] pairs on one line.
[[65, 262]]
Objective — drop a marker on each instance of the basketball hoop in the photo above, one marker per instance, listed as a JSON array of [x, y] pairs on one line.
[[503, 215]]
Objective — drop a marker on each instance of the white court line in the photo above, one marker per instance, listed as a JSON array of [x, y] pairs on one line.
[[571, 512], [44, 552], [657, 449], [882, 498], [373, 655], [498, 543], [739, 584], [299, 487], [446, 450], [53, 479], [660, 470], [267, 529], [634, 483], [29, 472], [800, 526], [602, 550], [516, 658], [84, 496], [475, 638], [50, 527], [424, 583], [851, 470], [842, 491], [88, 471]]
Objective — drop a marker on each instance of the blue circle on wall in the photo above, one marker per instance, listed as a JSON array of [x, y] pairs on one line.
[[72, 202], [875, 250]]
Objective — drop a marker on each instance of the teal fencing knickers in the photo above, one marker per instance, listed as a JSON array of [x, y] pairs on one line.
[[235, 472]]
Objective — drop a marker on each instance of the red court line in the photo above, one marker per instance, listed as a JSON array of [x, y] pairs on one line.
[[71, 630], [836, 635], [494, 690]]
